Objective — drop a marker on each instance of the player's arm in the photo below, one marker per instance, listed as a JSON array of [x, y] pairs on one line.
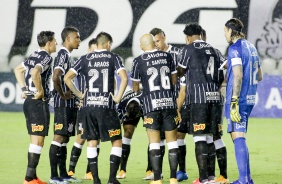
[[174, 79], [237, 81], [124, 80], [68, 79], [19, 73], [58, 84], [260, 74], [36, 79]]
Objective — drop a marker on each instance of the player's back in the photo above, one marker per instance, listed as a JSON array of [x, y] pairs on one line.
[[42, 58], [202, 74], [99, 68], [155, 69], [250, 66]]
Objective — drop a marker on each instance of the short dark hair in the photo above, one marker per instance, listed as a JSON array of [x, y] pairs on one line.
[[103, 37], [92, 41], [192, 29], [156, 31], [236, 25], [66, 31], [44, 36], [133, 109]]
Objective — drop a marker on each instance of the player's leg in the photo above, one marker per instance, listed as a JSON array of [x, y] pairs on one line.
[[38, 128], [149, 170], [170, 122], [78, 144], [162, 148], [211, 158], [75, 154], [221, 155], [92, 156], [181, 134], [152, 125], [238, 135], [126, 141]]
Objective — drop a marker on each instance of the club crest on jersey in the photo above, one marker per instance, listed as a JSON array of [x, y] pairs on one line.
[[199, 127], [70, 128], [37, 128], [58, 126], [114, 132], [148, 120]]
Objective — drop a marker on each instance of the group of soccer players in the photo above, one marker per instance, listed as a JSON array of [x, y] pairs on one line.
[[180, 94]]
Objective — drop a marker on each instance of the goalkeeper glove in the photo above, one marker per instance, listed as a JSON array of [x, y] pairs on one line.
[[234, 110]]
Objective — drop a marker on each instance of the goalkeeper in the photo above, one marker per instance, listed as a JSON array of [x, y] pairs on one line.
[[243, 73]]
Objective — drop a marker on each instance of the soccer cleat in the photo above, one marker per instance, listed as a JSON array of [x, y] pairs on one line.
[[221, 180], [88, 176], [30, 182], [70, 173], [180, 176], [149, 175], [156, 182], [236, 182], [70, 179], [197, 181], [121, 174], [173, 181], [40, 182], [57, 180]]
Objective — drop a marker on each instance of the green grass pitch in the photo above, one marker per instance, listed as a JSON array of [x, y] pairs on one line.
[[264, 140]]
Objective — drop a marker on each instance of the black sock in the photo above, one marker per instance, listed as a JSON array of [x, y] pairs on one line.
[[54, 154], [211, 160], [149, 166], [93, 166], [173, 161], [201, 151], [33, 160], [162, 156], [87, 167], [124, 156], [155, 158], [75, 154], [114, 164], [62, 162], [182, 158], [221, 155]]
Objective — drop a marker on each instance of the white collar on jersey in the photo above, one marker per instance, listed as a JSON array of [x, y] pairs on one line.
[[66, 49], [151, 50], [100, 50], [39, 50], [198, 41], [168, 49]]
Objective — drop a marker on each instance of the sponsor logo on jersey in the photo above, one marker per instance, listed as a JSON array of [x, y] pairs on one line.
[[58, 126], [147, 56], [199, 127], [114, 132], [37, 128], [240, 125], [212, 95], [148, 120]]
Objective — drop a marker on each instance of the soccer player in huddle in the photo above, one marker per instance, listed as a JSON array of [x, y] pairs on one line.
[[221, 152], [156, 71], [79, 142], [129, 112], [64, 107], [161, 44], [199, 63], [102, 121], [243, 75], [33, 76]]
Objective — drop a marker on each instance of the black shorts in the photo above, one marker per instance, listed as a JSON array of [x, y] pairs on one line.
[[133, 122], [64, 121], [80, 120], [185, 116], [204, 118], [101, 123], [37, 117], [165, 120]]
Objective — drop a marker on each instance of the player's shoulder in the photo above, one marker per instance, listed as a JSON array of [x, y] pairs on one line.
[[175, 50]]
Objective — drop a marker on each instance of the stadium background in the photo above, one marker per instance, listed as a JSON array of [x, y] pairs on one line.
[[127, 20]]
